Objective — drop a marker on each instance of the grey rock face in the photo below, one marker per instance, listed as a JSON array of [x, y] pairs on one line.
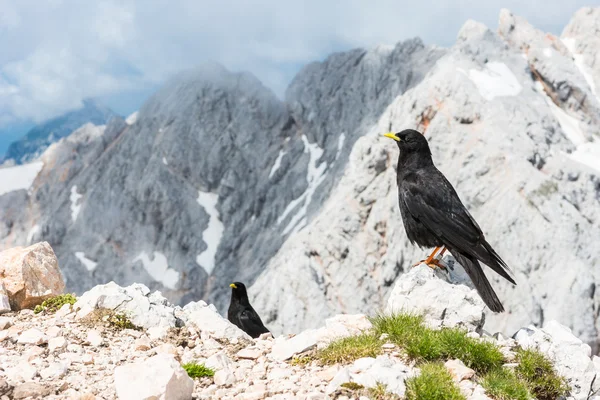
[[40, 137], [210, 179]]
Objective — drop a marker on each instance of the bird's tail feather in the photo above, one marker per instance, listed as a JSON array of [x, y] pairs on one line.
[[489, 257], [475, 272]]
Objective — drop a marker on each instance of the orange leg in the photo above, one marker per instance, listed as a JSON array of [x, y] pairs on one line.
[[431, 257], [432, 261]]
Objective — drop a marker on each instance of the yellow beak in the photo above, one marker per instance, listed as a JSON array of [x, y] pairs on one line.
[[233, 286], [392, 136]]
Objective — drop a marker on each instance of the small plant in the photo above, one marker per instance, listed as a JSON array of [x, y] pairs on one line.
[[434, 383], [539, 375], [348, 349], [195, 370], [379, 392], [503, 384], [352, 386], [424, 344], [53, 304], [110, 318]]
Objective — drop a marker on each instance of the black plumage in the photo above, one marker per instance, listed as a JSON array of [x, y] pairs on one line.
[[434, 216], [241, 313]]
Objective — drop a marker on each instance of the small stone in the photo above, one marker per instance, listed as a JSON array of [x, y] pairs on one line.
[[31, 389], [133, 333], [285, 349], [26, 312], [142, 344], [473, 335], [74, 348], [5, 322], [388, 346], [63, 311], [32, 336], [53, 332], [4, 300], [328, 373], [94, 338], [87, 359], [384, 336], [157, 332], [249, 354], [224, 378], [167, 348], [22, 372], [253, 395], [57, 344], [316, 396], [458, 370], [54, 370], [266, 336], [33, 352], [3, 336]]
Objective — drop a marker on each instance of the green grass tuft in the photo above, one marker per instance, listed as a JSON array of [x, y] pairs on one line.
[[424, 344], [195, 370], [503, 384], [379, 392], [434, 383], [121, 321], [539, 374], [53, 304], [348, 349]]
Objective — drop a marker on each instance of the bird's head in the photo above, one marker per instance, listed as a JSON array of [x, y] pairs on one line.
[[238, 289], [410, 141]]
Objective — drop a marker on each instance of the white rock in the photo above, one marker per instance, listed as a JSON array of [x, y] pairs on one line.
[[63, 311], [371, 371], [144, 309], [143, 343], [570, 355], [4, 301], [208, 320], [53, 332], [54, 370], [57, 344], [32, 336], [421, 290], [5, 323], [249, 354], [459, 370], [284, 349], [342, 376], [157, 332], [343, 325], [159, 377], [94, 338], [21, 372]]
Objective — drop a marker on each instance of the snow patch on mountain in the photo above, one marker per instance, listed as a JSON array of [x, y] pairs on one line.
[[580, 64], [569, 124], [315, 176], [158, 269], [19, 177], [341, 140], [213, 233], [87, 263], [75, 206], [132, 118], [495, 80], [277, 163]]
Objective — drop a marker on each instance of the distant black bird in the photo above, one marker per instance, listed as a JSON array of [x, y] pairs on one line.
[[434, 216], [241, 313]]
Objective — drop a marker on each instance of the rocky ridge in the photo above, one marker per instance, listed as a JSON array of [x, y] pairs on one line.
[[75, 354]]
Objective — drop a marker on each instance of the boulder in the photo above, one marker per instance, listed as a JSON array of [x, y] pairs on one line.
[[159, 377], [437, 296], [30, 275]]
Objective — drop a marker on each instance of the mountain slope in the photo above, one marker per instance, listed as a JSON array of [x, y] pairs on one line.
[[510, 136], [41, 136]]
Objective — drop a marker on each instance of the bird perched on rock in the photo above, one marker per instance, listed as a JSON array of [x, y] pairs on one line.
[[241, 313], [434, 216]]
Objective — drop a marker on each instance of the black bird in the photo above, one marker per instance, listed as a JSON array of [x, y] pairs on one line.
[[434, 216], [241, 313]]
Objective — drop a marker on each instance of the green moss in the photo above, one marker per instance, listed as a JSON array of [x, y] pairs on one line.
[[348, 349], [110, 318], [503, 384], [424, 344], [195, 370], [53, 304], [121, 321], [539, 375], [434, 383], [352, 385]]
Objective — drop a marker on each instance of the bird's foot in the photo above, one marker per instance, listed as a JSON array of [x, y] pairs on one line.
[[418, 263], [436, 263]]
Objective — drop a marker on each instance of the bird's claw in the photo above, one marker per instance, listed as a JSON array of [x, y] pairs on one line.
[[436, 263]]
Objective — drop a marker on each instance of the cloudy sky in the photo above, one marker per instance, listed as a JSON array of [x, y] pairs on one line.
[[56, 52]]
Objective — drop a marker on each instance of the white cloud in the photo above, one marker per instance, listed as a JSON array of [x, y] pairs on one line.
[[55, 53]]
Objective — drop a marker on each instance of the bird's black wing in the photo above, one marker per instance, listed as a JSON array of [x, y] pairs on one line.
[[432, 200], [252, 322]]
